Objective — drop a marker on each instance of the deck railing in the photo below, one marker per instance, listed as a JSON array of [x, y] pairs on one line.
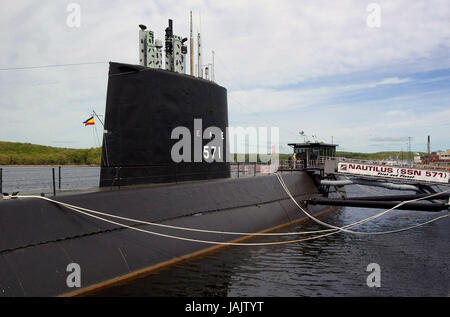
[[291, 165], [52, 180], [287, 165]]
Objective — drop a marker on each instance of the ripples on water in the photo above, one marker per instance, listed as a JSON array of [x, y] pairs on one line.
[[413, 263], [36, 179]]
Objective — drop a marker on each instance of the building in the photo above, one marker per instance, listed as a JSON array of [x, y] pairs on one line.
[[444, 156], [313, 153], [417, 158]]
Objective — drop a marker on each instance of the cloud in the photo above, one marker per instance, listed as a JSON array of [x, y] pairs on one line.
[[385, 81], [389, 139], [261, 100], [287, 63]]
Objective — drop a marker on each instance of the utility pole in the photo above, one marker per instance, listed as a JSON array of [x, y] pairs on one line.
[[409, 150], [407, 155]]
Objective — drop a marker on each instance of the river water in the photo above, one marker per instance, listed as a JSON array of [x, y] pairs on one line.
[[39, 179], [411, 263]]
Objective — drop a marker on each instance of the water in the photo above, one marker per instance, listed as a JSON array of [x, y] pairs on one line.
[[412, 263], [37, 179]]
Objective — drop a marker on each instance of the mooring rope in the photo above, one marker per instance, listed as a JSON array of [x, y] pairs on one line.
[[334, 229], [213, 231], [344, 228], [206, 241], [231, 243], [171, 226]]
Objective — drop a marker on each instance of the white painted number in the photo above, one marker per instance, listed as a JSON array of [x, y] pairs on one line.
[[214, 150]]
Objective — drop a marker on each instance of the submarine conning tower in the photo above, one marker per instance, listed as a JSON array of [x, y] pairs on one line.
[[145, 103]]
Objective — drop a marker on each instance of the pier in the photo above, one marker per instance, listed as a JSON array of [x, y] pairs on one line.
[[327, 170], [339, 172]]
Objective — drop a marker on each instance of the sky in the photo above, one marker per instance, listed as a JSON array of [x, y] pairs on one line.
[[366, 75]]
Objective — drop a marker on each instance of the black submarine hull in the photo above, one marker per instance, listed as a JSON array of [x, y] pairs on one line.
[[39, 239]]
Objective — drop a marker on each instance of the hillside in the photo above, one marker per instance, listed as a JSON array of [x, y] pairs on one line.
[[14, 153], [378, 155]]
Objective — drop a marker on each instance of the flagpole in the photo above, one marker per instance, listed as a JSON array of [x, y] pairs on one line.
[[96, 141], [104, 140], [98, 118]]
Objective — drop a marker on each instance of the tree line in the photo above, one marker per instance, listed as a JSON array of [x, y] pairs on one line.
[[13, 153]]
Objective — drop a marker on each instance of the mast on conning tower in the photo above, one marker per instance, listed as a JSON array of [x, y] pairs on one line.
[[199, 56], [191, 48], [150, 51]]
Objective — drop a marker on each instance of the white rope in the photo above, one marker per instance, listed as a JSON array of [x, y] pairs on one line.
[[334, 229], [283, 184], [229, 243], [174, 227], [220, 232]]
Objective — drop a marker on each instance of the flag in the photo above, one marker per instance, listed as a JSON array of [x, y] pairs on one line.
[[89, 121]]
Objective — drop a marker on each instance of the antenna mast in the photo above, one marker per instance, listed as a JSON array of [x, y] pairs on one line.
[[213, 69], [191, 48], [199, 56]]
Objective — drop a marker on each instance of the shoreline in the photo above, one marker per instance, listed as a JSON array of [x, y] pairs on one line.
[[49, 165]]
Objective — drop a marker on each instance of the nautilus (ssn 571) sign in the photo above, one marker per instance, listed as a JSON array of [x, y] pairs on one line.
[[394, 172]]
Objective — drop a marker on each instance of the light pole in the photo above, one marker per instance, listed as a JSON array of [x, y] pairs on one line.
[[409, 150], [213, 70]]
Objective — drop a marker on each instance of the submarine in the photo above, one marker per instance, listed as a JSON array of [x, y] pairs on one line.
[[74, 244]]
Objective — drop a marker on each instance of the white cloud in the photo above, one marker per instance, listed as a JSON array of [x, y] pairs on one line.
[[260, 45], [261, 100]]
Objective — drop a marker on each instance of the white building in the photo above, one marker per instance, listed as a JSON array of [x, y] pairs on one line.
[[417, 158], [444, 155]]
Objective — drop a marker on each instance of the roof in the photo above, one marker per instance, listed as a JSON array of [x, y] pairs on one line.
[[309, 144]]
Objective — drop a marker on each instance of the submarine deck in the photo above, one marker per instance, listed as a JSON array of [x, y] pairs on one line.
[[51, 237]]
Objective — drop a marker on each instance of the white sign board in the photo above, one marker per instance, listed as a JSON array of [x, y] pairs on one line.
[[395, 172]]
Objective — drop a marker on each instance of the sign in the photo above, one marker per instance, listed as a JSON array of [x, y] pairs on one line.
[[394, 172]]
